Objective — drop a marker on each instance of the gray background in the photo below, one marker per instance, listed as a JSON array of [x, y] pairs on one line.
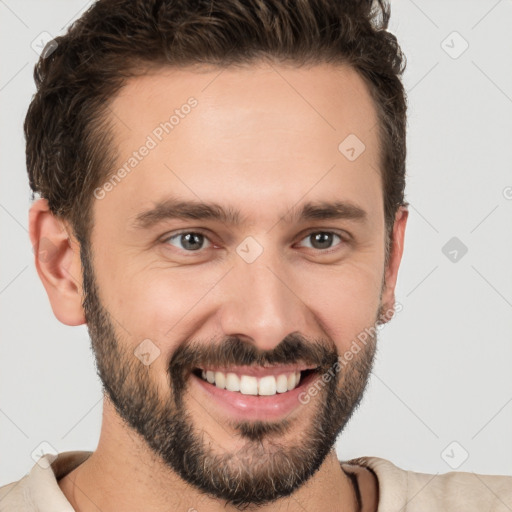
[[441, 390]]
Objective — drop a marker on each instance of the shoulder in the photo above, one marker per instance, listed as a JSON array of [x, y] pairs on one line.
[[38, 490], [14, 496], [453, 491]]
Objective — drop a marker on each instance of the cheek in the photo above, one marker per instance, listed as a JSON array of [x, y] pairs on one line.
[[160, 304], [347, 303]]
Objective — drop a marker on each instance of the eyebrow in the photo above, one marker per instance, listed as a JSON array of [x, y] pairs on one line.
[[194, 210]]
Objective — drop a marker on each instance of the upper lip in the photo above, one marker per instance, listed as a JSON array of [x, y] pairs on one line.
[[259, 371]]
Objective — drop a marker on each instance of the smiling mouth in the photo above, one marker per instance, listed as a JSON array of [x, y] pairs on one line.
[[256, 381]]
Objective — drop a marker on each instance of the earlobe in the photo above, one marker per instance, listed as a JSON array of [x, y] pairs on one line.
[[57, 260], [391, 270]]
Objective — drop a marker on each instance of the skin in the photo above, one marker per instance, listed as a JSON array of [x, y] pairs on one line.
[[255, 144]]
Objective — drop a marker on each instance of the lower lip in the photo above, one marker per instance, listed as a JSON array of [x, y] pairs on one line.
[[255, 407]]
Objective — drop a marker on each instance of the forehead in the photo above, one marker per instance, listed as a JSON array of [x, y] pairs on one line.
[[267, 133]]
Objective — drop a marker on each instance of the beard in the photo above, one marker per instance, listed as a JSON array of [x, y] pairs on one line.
[[266, 467]]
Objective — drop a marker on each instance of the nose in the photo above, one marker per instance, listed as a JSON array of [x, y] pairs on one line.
[[259, 303]]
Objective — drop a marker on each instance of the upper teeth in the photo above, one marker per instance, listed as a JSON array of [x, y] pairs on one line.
[[249, 385]]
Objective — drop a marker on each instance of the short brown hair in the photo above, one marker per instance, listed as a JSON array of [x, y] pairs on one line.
[[70, 148]]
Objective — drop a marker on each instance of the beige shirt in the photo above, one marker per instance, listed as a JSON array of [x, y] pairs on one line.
[[399, 490]]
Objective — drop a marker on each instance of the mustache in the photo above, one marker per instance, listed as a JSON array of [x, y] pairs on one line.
[[232, 351]]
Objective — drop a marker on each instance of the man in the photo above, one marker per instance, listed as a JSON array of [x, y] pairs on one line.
[[222, 202]]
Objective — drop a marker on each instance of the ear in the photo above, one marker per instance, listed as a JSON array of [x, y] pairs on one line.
[[391, 270], [57, 259]]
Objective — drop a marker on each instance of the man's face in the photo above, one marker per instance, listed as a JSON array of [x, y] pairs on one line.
[[274, 293]]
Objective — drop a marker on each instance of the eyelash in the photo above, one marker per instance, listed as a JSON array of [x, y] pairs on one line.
[[343, 240]]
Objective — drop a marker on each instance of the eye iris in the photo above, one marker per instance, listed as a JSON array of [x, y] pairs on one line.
[[192, 241], [324, 240]]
